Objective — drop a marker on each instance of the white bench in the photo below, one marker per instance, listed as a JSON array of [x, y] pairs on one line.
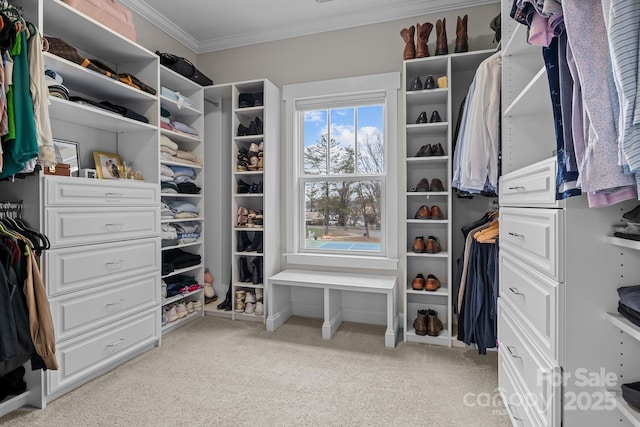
[[280, 307]]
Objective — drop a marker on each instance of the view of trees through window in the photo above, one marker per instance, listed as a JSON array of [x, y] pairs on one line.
[[343, 175]]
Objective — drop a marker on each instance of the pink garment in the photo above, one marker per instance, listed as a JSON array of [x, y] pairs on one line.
[[540, 34]]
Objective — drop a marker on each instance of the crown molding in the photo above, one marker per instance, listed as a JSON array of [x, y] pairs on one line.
[[368, 17]]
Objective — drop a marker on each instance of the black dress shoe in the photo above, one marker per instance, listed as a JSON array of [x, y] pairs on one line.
[[416, 84], [430, 83], [242, 130], [437, 150], [259, 127], [435, 117], [243, 187], [245, 100], [255, 188], [422, 118], [258, 99], [252, 129], [424, 151], [423, 185]]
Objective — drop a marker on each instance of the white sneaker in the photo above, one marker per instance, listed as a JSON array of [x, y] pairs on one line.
[[171, 312], [250, 297], [249, 308], [197, 305], [259, 308], [189, 306], [181, 310], [259, 293]]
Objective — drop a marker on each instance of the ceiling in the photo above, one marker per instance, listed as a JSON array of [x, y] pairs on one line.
[[211, 25]]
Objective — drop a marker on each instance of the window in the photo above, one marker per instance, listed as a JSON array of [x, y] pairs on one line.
[[341, 143]]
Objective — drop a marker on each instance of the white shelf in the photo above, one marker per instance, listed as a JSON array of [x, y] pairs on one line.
[[15, 402], [181, 136], [427, 96], [170, 326], [442, 291], [631, 414], [172, 106], [248, 285], [211, 309], [187, 165], [183, 270], [427, 221], [248, 254], [248, 229], [442, 339], [249, 195], [167, 221], [181, 195], [533, 100], [425, 255], [624, 243], [67, 111], [251, 317], [182, 245], [427, 193], [438, 128], [175, 298], [431, 159], [241, 173], [620, 322]]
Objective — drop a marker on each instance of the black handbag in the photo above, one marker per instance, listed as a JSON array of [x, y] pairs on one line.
[[184, 67]]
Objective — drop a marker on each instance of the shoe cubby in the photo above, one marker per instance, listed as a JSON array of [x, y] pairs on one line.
[[431, 84], [182, 182]]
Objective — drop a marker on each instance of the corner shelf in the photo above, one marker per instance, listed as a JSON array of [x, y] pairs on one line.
[[620, 322]]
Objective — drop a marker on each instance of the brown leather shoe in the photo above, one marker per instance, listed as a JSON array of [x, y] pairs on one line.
[[432, 246], [432, 283], [424, 151], [423, 213], [442, 47], [436, 212], [423, 31], [462, 38], [436, 185], [418, 245], [420, 323], [422, 186], [407, 35], [418, 282], [434, 325]]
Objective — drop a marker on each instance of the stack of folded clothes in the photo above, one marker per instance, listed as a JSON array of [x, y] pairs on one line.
[[180, 233], [630, 231], [178, 179], [169, 151], [178, 209], [175, 259], [181, 284], [629, 304]]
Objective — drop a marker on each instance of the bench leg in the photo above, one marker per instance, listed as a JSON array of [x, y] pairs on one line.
[[279, 307], [332, 312], [392, 320]]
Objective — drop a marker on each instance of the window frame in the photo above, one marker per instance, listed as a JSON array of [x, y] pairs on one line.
[[331, 94]]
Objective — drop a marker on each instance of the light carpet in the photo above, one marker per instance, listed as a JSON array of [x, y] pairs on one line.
[[219, 372]]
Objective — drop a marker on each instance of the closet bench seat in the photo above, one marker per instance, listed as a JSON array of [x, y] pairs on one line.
[[280, 307]]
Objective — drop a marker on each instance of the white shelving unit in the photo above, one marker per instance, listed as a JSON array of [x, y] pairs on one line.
[[559, 270], [102, 286], [460, 70], [188, 109]]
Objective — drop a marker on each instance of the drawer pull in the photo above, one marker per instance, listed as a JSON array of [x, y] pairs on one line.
[[114, 227], [512, 352], [515, 291], [517, 188], [120, 341], [114, 264], [108, 196], [113, 304], [519, 236], [513, 412]]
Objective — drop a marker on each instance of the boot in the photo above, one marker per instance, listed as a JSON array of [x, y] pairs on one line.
[[244, 243], [256, 270], [442, 47], [226, 304], [462, 38], [434, 325], [422, 49], [256, 245], [420, 323], [244, 273], [410, 47]]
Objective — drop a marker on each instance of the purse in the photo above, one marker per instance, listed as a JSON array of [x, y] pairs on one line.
[[184, 67]]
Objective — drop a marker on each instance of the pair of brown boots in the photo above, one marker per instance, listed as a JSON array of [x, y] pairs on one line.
[[427, 323], [421, 49]]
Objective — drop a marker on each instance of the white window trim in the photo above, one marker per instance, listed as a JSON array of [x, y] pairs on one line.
[[388, 83]]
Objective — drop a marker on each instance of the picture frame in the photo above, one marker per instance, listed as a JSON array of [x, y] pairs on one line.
[[68, 152], [108, 165]]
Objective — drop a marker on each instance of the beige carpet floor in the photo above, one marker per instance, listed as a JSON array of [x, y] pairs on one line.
[[216, 372]]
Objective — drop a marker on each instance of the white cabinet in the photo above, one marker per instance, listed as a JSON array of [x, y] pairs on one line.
[[182, 151], [420, 165]]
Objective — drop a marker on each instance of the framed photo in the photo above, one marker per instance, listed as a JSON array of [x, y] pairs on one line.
[[108, 165], [68, 152]]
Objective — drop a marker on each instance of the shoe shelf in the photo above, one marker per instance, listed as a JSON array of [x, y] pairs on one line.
[[428, 128], [442, 339], [433, 159], [442, 291], [623, 324], [427, 96], [183, 270], [170, 326], [212, 309], [176, 298], [429, 221], [424, 255], [427, 193]]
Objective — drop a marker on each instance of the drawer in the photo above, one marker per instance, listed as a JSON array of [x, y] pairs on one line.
[[65, 191], [513, 399], [534, 185], [536, 374], [80, 312], [84, 355], [535, 236], [73, 226], [535, 299], [78, 268]]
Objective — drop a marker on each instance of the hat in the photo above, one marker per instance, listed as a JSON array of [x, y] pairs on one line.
[[52, 75]]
